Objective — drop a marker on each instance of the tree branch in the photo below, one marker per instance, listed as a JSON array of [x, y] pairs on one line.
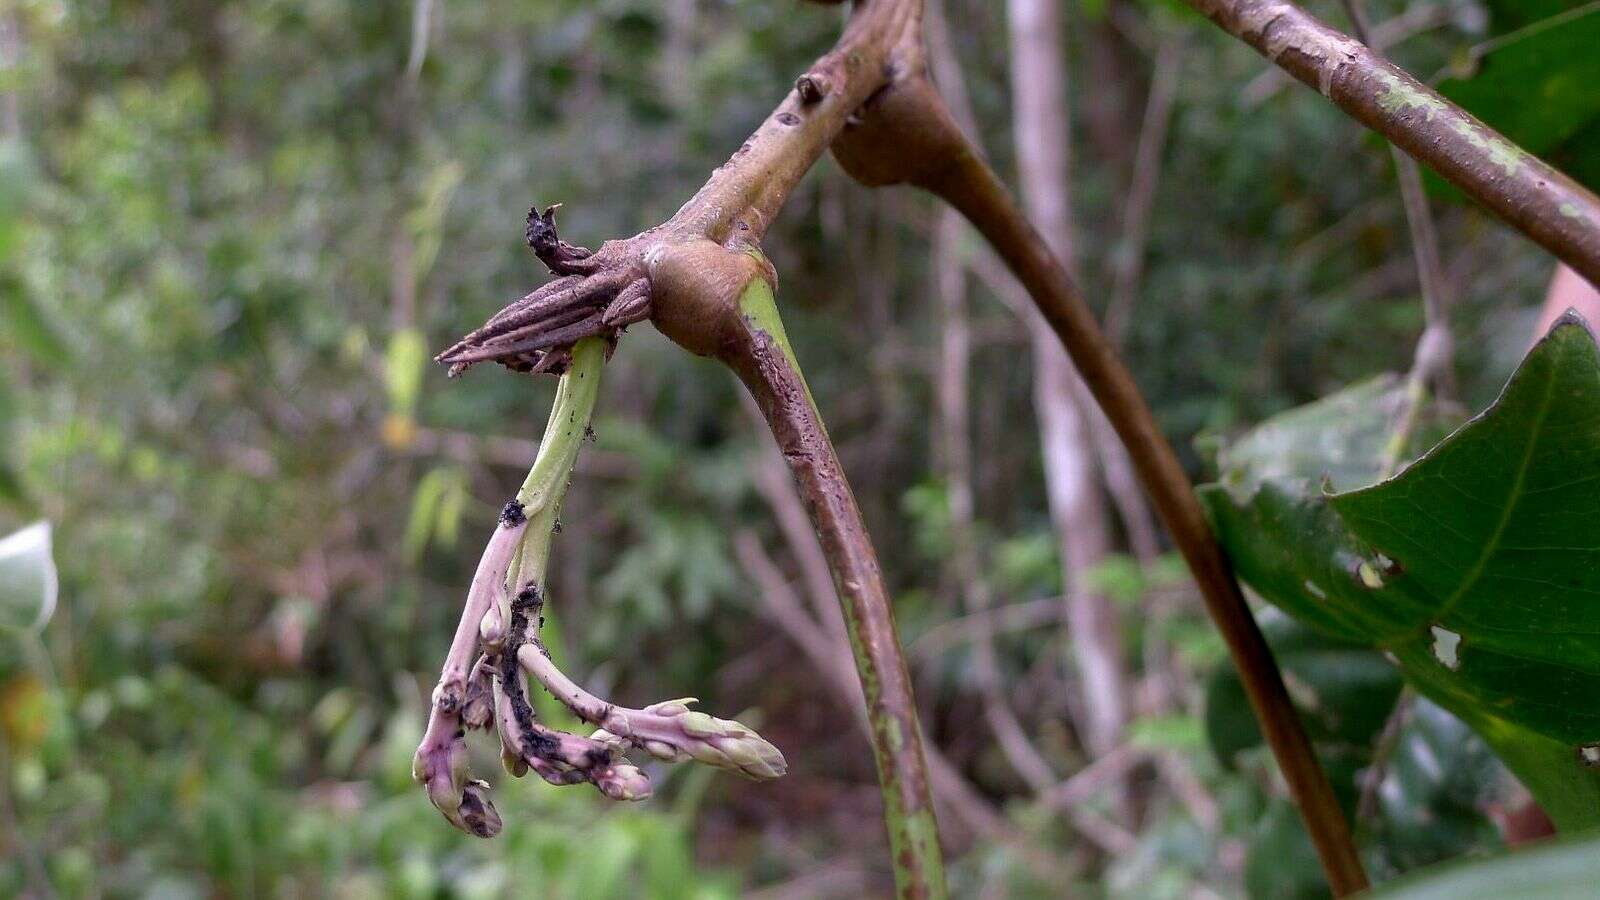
[[696, 276], [906, 135], [1418, 18], [757, 349], [1431, 364], [1128, 264], [977, 192], [1526, 193]]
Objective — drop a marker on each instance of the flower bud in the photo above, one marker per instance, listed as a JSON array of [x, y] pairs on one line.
[[623, 781], [478, 815]]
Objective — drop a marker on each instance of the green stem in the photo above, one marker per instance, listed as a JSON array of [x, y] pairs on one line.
[[764, 360], [546, 485], [1394, 452]]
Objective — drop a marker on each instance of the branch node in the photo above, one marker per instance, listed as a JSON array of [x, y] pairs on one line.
[[812, 87]]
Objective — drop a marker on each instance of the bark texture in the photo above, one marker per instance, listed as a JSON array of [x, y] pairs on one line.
[[758, 352]]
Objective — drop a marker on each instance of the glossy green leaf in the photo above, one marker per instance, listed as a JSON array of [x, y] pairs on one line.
[[1564, 870], [1537, 85], [1489, 548], [27, 579], [1271, 484], [1477, 567]]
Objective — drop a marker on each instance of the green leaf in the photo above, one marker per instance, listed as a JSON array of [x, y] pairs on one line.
[[436, 506], [1339, 439], [1281, 863], [28, 583], [29, 327], [1536, 86], [1490, 547], [1439, 777], [1477, 567], [1562, 870], [1345, 693], [1343, 690], [1508, 16], [403, 364]]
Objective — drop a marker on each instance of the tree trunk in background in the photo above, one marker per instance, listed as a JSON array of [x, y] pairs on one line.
[[10, 57], [1077, 508], [677, 52], [1118, 74]]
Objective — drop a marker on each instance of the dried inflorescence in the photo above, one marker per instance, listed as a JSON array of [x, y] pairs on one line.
[[493, 693], [596, 293]]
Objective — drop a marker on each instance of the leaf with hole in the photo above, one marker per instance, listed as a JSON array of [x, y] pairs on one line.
[[1477, 567], [1436, 779]]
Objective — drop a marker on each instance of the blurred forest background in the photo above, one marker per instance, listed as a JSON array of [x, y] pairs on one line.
[[231, 235]]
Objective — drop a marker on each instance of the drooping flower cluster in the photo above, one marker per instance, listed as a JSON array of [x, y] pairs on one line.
[[492, 692]]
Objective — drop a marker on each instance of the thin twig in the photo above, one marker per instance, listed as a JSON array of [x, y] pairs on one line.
[[1382, 753], [1106, 770], [1431, 363], [830, 656], [991, 621], [1128, 263], [1476, 54]]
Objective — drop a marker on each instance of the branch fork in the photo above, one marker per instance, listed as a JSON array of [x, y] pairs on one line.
[[666, 273]]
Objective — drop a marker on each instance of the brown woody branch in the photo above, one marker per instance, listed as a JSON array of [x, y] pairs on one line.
[[974, 189], [906, 135], [1516, 186], [757, 352]]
